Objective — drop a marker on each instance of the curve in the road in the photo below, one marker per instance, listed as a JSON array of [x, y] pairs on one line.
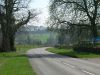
[[47, 63]]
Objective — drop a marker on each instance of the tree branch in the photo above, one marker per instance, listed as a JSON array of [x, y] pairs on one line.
[[23, 22], [86, 9], [96, 7], [73, 24], [73, 2]]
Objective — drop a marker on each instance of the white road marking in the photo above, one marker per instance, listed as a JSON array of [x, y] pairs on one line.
[[88, 72], [68, 65]]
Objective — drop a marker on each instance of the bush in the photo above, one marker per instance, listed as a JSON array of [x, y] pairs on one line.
[[62, 46], [85, 44], [86, 47], [89, 50]]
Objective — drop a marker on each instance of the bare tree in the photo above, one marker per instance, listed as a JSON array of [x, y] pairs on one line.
[[11, 19], [85, 11]]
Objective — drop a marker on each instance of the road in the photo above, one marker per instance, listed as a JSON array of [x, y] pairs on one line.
[[47, 63]]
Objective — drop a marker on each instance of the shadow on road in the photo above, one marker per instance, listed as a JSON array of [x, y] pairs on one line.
[[46, 56]]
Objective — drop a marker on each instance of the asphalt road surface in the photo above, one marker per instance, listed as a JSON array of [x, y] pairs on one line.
[[47, 63]]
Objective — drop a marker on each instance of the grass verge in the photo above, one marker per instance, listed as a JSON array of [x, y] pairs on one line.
[[16, 63], [71, 53]]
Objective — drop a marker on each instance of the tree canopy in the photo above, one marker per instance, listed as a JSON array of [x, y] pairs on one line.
[[76, 13]]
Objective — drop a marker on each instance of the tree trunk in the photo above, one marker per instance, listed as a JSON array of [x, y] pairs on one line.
[[7, 43], [94, 31], [12, 44]]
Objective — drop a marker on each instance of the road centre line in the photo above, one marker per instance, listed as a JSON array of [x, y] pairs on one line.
[[87, 72], [68, 65]]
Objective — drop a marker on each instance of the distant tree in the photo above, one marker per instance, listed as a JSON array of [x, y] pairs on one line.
[[13, 15]]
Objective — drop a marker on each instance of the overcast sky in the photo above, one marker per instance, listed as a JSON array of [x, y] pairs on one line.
[[41, 5]]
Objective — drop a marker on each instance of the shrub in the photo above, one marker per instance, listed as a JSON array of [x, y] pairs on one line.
[[62, 46], [83, 46]]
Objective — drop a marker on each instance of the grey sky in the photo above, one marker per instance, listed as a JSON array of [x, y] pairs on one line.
[[41, 5]]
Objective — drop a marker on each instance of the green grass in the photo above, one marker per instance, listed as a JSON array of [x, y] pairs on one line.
[[41, 37], [36, 36], [71, 53], [16, 63], [24, 48]]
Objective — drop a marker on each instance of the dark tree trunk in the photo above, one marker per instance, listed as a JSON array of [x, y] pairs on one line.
[[12, 44], [94, 31], [7, 42]]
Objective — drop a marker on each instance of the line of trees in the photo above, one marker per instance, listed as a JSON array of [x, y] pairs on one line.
[[31, 35]]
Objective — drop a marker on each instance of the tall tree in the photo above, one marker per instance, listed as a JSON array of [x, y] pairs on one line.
[[86, 11], [11, 19]]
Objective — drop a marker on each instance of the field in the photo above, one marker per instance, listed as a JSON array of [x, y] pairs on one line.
[[16, 63], [43, 37]]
